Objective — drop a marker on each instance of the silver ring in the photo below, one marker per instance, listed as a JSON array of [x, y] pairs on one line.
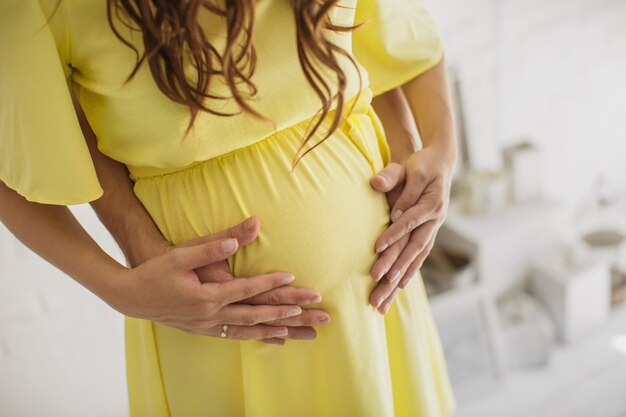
[[224, 330]]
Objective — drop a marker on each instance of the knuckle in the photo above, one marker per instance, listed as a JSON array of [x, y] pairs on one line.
[[248, 290], [250, 319], [176, 257], [273, 299]]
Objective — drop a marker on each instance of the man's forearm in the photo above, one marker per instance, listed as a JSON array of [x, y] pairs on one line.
[[119, 209], [428, 97], [418, 108], [400, 128]]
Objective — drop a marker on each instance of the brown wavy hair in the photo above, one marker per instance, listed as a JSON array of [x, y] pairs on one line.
[[171, 32]]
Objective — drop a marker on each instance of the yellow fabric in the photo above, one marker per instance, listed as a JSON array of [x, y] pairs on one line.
[[320, 223], [42, 154]]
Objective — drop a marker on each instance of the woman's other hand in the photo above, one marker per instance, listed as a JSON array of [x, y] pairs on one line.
[[418, 193]]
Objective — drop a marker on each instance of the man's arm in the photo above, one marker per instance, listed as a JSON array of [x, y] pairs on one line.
[[119, 209]]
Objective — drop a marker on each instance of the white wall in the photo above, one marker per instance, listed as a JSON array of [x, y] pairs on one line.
[[61, 348], [554, 72]]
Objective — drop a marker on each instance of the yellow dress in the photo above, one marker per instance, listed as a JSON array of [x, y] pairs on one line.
[[318, 222]]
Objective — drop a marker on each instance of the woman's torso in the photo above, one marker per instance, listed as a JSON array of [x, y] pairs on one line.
[[138, 125]]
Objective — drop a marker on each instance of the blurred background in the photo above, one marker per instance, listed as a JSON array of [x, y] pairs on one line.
[[528, 278]]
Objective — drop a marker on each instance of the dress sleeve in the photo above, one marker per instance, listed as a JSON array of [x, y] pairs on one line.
[[43, 154], [399, 42]]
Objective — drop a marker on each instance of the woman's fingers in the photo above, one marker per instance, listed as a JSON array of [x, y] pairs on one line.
[[414, 217], [286, 295], [381, 292], [384, 307], [247, 315], [388, 178], [418, 241], [416, 264]]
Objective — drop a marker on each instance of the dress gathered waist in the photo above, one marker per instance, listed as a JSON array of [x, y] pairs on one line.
[[361, 101]]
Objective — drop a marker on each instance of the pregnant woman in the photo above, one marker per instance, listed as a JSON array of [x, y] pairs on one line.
[[236, 152]]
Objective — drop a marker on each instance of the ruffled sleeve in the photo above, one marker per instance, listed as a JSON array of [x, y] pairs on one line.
[[399, 42], [43, 154]]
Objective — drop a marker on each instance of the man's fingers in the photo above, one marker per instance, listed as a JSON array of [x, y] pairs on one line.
[[240, 289], [388, 178], [256, 332], [183, 259], [302, 333], [245, 232], [247, 315], [286, 295], [274, 341]]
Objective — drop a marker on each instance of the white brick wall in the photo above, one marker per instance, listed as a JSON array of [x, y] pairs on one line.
[[553, 71]]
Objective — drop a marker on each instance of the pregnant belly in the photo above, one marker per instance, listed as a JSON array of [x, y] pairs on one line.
[[318, 222]]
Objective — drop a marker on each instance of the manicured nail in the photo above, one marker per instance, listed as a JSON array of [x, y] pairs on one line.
[[315, 299], [396, 215], [386, 309], [294, 311], [395, 276], [325, 320], [287, 279], [228, 245], [281, 332], [381, 247], [379, 302]]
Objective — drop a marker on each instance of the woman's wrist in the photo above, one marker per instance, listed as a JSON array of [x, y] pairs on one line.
[[446, 152]]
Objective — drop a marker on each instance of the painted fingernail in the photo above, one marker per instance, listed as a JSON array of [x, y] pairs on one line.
[[281, 332], [396, 215], [379, 302], [381, 247], [395, 277], [228, 245], [386, 309], [325, 320], [294, 311]]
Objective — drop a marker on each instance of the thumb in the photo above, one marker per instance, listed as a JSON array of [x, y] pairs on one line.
[[388, 178], [183, 259]]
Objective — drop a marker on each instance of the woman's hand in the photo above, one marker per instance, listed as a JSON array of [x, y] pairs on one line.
[[166, 289], [300, 326], [418, 193]]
